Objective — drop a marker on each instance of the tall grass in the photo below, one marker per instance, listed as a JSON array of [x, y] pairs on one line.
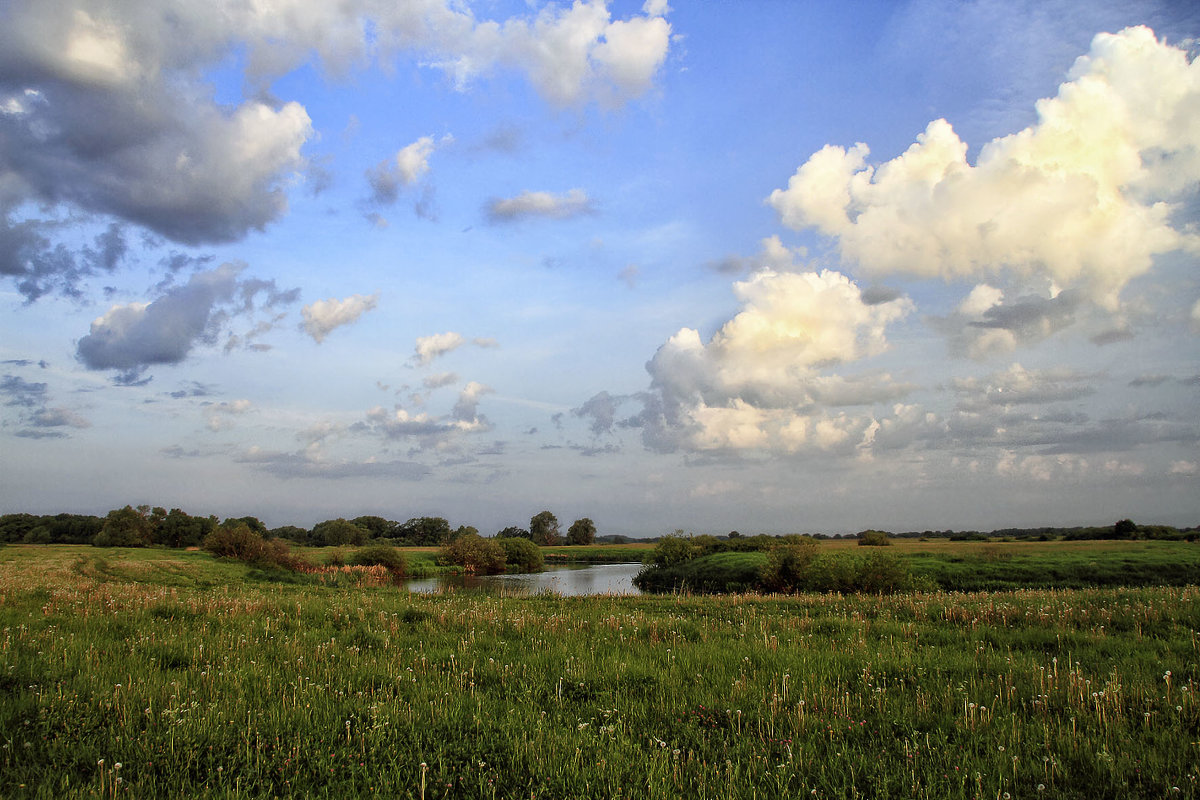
[[164, 674]]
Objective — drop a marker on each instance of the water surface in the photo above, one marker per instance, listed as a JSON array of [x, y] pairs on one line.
[[568, 580]]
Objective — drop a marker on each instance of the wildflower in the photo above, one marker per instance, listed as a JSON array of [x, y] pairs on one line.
[[1041, 787]]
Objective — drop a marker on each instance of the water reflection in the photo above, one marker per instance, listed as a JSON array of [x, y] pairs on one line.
[[567, 581]]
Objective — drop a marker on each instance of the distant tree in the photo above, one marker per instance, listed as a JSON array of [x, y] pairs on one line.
[[253, 523], [125, 527], [513, 532], [734, 535], [521, 555], [376, 527], [543, 529], [179, 529], [240, 542], [1125, 529], [582, 531], [464, 530], [475, 554], [336, 532], [291, 533], [424, 532]]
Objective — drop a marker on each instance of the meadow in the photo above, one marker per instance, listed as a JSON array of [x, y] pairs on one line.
[[164, 673]]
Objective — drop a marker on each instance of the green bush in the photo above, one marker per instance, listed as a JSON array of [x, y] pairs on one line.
[[238, 542], [475, 554], [787, 566], [874, 539], [672, 550], [383, 556], [521, 555]]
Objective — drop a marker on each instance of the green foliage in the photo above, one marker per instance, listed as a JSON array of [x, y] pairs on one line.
[[337, 532], [179, 529], [521, 555], [710, 574], [874, 539], [581, 532], [543, 529], [381, 555], [672, 550], [125, 527], [424, 532], [239, 542], [513, 532], [787, 567], [290, 532], [475, 554]]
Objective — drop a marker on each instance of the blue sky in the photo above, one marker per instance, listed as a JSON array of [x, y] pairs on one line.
[[762, 266]]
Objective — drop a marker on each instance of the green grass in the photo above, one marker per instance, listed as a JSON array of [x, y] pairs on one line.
[[597, 554], [200, 683]]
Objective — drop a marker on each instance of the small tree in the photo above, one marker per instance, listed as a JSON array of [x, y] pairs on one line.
[[336, 532], [582, 531], [384, 556], [672, 550], [543, 529]]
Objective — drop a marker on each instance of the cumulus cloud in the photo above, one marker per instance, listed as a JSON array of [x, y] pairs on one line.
[[134, 336], [539, 204], [323, 316], [107, 108], [1085, 197], [760, 382]]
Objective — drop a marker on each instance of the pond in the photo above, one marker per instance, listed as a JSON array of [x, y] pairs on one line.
[[569, 580]]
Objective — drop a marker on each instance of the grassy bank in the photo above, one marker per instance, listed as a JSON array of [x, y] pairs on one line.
[[166, 674], [598, 554], [953, 566]]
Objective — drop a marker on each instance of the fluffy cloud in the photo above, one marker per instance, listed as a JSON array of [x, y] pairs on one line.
[[219, 416], [134, 336], [539, 204], [429, 348], [758, 383], [1020, 386], [1085, 197], [106, 107], [323, 316], [409, 165]]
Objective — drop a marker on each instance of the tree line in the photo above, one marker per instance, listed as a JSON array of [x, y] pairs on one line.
[[145, 526]]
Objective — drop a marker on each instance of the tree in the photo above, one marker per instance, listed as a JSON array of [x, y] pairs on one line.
[[1125, 529], [424, 532], [337, 532], [513, 532], [253, 523], [376, 527], [872, 538], [582, 531], [178, 529], [543, 529], [125, 527], [787, 566]]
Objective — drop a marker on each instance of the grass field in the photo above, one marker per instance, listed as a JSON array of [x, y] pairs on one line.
[[155, 673]]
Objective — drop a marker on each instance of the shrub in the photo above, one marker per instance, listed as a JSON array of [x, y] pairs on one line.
[[521, 555], [672, 550], [874, 539], [238, 542], [384, 556], [475, 554], [787, 566]]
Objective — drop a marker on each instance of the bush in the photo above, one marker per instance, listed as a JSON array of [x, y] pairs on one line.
[[238, 542], [787, 566], [383, 556], [475, 554], [874, 539], [672, 550], [521, 555]]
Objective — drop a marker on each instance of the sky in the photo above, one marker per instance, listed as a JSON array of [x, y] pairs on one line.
[[758, 266]]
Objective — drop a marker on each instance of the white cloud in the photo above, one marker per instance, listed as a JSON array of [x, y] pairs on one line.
[[323, 316], [758, 383], [1020, 386], [539, 204], [1185, 468], [430, 347], [409, 165], [219, 416], [1084, 197]]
